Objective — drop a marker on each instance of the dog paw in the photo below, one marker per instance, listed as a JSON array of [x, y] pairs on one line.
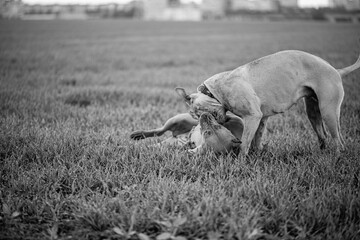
[[137, 135]]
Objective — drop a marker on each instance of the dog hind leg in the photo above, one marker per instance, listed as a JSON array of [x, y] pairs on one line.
[[142, 134], [179, 124], [330, 112], [314, 115]]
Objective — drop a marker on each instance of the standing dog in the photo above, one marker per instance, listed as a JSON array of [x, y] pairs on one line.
[[271, 85]]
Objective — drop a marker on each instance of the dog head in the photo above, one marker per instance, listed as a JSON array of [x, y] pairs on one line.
[[200, 103]]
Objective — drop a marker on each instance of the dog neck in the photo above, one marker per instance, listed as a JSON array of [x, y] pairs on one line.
[[204, 90]]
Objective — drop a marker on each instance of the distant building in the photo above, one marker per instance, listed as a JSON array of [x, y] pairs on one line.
[[154, 9], [347, 11], [343, 17], [48, 12], [170, 10], [73, 12], [10, 8], [352, 5], [254, 5], [214, 8], [41, 12], [80, 12], [288, 3], [349, 5]]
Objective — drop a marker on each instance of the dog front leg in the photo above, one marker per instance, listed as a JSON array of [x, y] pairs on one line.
[[251, 124], [256, 142]]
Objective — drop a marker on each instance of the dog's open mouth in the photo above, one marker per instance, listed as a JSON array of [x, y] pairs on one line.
[[220, 118], [207, 121], [193, 115]]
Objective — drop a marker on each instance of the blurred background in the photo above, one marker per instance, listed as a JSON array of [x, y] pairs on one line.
[[183, 10]]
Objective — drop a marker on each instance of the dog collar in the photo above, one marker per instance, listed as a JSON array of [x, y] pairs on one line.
[[204, 90]]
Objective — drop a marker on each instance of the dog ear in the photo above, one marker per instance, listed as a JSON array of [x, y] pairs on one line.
[[182, 93]]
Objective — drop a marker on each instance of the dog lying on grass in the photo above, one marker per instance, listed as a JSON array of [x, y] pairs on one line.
[[271, 85], [199, 135]]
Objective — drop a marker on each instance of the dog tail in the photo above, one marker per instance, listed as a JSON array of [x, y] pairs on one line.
[[345, 71]]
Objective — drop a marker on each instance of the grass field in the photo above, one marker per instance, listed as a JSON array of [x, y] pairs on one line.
[[72, 91]]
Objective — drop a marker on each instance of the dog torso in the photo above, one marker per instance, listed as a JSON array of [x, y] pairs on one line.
[[276, 81]]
